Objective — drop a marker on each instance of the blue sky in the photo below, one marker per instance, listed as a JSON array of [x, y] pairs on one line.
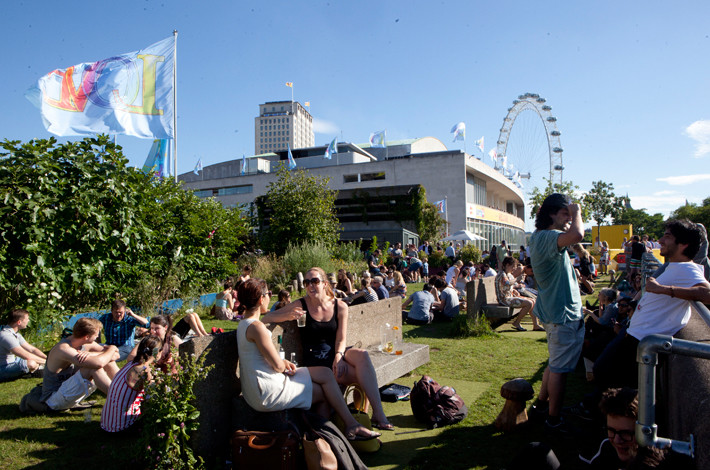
[[628, 81]]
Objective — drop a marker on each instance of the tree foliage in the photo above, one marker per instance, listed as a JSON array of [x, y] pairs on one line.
[[298, 207], [694, 212], [78, 226], [430, 223], [572, 190], [602, 203], [642, 222]]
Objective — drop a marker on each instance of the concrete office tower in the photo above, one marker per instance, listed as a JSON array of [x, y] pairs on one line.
[[280, 123]]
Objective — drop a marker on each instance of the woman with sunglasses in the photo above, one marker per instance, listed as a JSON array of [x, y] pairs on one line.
[[324, 340], [270, 383]]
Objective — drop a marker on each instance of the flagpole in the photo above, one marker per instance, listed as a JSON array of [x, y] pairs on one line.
[[446, 214], [175, 33]]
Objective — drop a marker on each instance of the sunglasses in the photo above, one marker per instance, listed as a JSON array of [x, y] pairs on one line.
[[624, 435], [267, 294], [315, 281]]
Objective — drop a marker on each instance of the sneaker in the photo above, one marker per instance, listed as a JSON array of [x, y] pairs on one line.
[[578, 411], [562, 429]]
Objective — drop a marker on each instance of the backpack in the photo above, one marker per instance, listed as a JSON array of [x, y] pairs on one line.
[[436, 405]]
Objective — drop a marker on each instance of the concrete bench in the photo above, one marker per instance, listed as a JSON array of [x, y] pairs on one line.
[[215, 395], [481, 300]]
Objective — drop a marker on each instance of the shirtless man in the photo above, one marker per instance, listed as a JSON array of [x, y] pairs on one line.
[[77, 365]]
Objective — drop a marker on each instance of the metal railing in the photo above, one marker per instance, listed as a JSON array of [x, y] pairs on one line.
[[647, 356]]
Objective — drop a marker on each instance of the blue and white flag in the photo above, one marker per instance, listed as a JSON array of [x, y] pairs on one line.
[[198, 167], [291, 161], [459, 131], [332, 148], [244, 165], [479, 144], [377, 139], [129, 94], [441, 206], [494, 156], [157, 162]]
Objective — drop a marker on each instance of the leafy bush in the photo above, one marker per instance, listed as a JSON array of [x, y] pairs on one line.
[[169, 416], [348, 251], [470, 253], [438, 259], [300, 258], [465, 327]]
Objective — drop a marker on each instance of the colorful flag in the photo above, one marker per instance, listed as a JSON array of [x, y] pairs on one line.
[[459, 131], [332, 148], [198, 167], [289, 84], [503, 162], [128, 94], [494, 155], [479, 143], [308, 104], [377, 139], [157, 162], [291, 161], [441, 206], [244, 165]]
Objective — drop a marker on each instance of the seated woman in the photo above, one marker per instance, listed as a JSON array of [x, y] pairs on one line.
[[324, 340], [284, 300], [191, 321], [585, 272], [400, 287], [344, 283], [162, 327], [364, 295], [125, 395], [270, 383], [508, 295], [224, 305]]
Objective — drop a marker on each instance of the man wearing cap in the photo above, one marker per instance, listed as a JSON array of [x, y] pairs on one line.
[[559, 306]]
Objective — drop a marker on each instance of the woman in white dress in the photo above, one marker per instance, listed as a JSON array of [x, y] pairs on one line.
[[270, 383]]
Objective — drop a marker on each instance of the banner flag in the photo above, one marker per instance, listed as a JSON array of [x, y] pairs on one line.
[[494, 155], [332, 148], [479, 143], [289, 84], [377, 139], [459, 131], [129, 94], [441, 206], [291, 161], [198, 167], [157, 162], [244, 165]]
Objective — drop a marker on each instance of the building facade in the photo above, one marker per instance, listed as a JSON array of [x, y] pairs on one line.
[[282, 123], [372, 183]]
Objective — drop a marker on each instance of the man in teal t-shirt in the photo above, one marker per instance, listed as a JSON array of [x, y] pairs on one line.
[[559, 306]]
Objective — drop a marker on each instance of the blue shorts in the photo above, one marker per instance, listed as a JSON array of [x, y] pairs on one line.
[[14, 369], [564, 343], [415, 267]]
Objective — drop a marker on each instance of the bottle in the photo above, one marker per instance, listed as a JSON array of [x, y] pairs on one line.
[[282, 353], [293, 359]]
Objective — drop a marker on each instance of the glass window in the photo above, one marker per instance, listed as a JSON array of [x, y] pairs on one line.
[[350, 178], [248, 188], [204, 193], [372, 176]]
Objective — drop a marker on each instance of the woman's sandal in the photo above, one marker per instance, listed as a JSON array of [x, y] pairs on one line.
[[353, 436], [386, 426]]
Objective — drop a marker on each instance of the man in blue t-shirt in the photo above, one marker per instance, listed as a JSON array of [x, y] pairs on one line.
[[120, 327], [559, 306], [422, 301]]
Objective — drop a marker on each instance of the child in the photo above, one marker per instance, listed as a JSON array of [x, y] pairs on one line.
[[425, 269]]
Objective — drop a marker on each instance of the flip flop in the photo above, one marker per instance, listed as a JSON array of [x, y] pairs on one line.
[[387, 426], [353, 437]]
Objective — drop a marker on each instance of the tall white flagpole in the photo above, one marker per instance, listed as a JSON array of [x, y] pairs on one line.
[[175, 33]]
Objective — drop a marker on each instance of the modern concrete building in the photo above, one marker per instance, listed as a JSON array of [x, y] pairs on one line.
[[373, 183], [280, 123]]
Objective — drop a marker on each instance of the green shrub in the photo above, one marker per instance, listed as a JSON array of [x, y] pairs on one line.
[[470, 253], [300, 258], [465, 327], [438, 260], [348, 251]]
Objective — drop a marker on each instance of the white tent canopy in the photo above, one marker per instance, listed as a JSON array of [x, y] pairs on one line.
[[463, 235]]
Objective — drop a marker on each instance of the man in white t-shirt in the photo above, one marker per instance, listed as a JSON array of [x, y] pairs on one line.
[[658, 312], [17, 356]]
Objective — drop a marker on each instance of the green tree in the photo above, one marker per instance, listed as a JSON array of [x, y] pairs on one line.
[[572, 190], [298, 207], [430, 224], [694, 213], [602, 203], [642, 222], [77, 226]]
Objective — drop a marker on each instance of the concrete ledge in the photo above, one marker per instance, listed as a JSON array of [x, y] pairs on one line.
[[481, 296], [389, 367]]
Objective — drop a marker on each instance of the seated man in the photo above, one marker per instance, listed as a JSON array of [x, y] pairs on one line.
[[77, 365], [382, 292], [448, 305], [660, 312], [422, 301], [120, 327], [17, 356]]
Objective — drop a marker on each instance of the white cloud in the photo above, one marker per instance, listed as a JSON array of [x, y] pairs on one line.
[[321, 126], [684, 180], [661, 201], [699, 131]]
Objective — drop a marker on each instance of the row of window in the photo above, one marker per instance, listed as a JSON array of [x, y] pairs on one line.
[[494, 233], [267, 134], [360, 177], [244, 189], [275, 139]]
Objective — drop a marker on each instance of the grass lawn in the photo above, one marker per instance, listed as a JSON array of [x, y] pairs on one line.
[[481, 365]]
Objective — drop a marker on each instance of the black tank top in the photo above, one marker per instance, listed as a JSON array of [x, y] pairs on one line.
[[318, 339]]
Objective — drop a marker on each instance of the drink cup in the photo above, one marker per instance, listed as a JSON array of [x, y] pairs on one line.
[[301, 321]]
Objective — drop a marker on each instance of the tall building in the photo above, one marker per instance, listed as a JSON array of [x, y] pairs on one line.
[[280, 123]]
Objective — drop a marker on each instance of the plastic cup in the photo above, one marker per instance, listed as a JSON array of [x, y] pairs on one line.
[[301, 321]]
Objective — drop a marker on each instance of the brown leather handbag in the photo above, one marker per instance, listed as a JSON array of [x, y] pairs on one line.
[[272, 450]]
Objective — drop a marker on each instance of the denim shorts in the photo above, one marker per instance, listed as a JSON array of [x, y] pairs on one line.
[[564, 343], [13, 369]]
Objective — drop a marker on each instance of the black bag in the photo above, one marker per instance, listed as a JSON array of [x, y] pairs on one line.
[[436, 405], [273, 450], [395, 392]]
